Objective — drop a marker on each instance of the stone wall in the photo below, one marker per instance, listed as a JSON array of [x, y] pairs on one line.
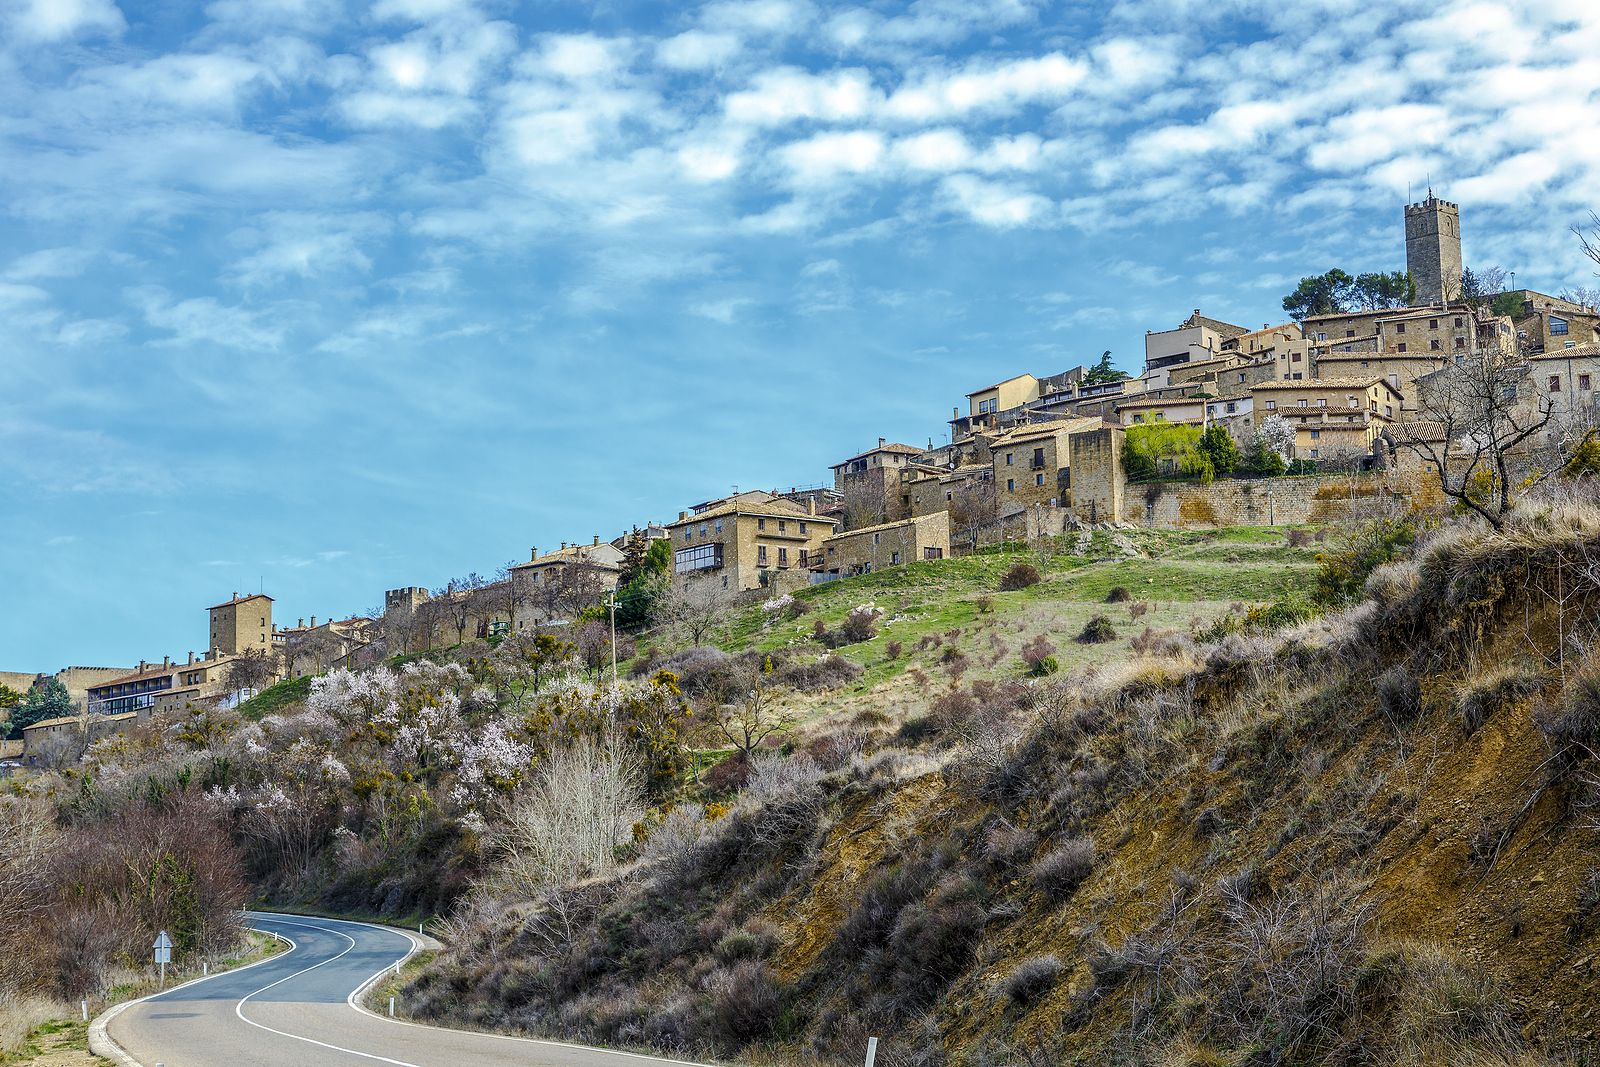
[[1263, 501], [1097, 484]]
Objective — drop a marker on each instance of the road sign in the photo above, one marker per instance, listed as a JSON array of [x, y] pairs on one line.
[[163, 948]]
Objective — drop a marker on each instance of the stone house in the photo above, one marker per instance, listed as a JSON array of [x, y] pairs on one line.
[[750, 541], [1198, 338], [596, 566], [923, 537], [169, 685], [1334, 418], [241, 622], [870, 483], [1032, 464], [1183, 410]]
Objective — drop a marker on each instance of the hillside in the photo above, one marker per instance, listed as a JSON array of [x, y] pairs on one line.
[[1367, 839]]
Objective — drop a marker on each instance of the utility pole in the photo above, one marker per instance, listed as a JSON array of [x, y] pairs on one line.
[[613, 604]]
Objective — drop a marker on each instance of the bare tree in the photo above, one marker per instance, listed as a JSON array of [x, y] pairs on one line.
[[29, 833], [864, 500], [1479, 418], [693, 607], [1584, 295], [252, 670], [751, 717], [565, 589], [565, 826], [973, 508], [317, 649], [458, 600]]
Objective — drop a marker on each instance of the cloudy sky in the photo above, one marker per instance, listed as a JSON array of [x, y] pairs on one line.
[[339, 296]]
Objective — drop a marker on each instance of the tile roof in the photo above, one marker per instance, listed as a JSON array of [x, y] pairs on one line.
[[1003, 381], [1326, 383], [571, 554], [775, 509], [893, 446], [885, 525], [237, 599]]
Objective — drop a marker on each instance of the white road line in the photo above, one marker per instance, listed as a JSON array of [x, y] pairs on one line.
[[239, 1008]]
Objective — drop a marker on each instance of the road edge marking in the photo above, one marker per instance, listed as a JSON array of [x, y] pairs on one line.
[[102, 1044]]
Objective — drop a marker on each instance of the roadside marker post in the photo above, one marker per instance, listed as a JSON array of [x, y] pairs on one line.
[[872, 1050], [85, 1005], [163, 950], [391, 1007]]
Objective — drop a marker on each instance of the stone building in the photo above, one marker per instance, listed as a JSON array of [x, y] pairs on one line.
[[1433, 250], [1197, 339], [1334, 418], [1032, 464], [748, 541], [596, 566], [153, 688], [870, 483], [1183, 410], [923, 537], [242, 622]]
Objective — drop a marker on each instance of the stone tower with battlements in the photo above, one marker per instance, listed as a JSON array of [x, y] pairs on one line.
[[1433, 249]]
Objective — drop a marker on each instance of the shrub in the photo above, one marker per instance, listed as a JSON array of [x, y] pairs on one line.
[[1040, 656], [1030, 980], [1020, 576], [861, 624], [1097, 631], [746, 1001], [893, 649], [1060, 871], [1575, 717], [1118, 595], [951, 711], [819, 629], [1006, 846], [753, 941], [827, 672], [985, 604], [933, 941], [1399, 694], [1484, 694], [728, 775], [1342, 572]]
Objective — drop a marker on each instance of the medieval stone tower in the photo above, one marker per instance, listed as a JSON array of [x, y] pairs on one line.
[[1433, 249]]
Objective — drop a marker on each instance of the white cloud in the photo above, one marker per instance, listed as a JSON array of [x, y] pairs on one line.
[[757, 17], [188, 81], [788, 94], [937, 150], [697, 50], [202, 321], [429, 112], [984, 86], [57, 20], [580, 57], [723, 311], [305, 245], [826, 156], [993, 203], [50, 263]]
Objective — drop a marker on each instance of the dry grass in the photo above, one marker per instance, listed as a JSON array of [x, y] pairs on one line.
[[20, 1015]]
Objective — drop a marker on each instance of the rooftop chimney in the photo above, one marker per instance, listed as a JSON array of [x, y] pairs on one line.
[[300, 624], [882, 441], [313, 622], [597, 539], [563, 546], [166, 661], [533, 553], [811, 505], [682, 515], [191, 656], [142, 666]]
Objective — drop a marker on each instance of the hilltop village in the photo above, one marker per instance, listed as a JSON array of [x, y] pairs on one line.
[[1337, 396]]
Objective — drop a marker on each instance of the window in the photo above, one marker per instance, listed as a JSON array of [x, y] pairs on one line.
[[761, 555], [1400, 327], [1401, 347], [1322, 401], [877, 538], [1038, 479], [1038, 458], [1010, 458], [717, 526], [761, 524], [894, 557], [932, 553], [1313, 453], [1232, 407], [1011, 485], [1555, 383], [1461, 342], [1458, 322], [1388, 411], [698, 558], [1295, 358], [1364, 363], [1349, 333], [1569, 344], [1272, 405], [1300, 403], [1583, 382], [783, 556], [783, 526], [805, 557], [1315, 434], [1558, 326], [688, 532], [1433, 324], [1434, 344], [1296, 376], [802, 527]]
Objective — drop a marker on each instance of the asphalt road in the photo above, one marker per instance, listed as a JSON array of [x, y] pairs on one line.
[[299, 1008]]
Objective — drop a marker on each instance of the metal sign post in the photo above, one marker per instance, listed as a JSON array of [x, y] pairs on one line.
[[163, 950], [872, 1050]]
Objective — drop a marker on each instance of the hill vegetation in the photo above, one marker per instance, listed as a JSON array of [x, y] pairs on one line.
[[1256, 796]]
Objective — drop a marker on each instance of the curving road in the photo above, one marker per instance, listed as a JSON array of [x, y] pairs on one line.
[[300, 1008]]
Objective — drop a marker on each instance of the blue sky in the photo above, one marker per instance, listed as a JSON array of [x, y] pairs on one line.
[[337, 297]]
